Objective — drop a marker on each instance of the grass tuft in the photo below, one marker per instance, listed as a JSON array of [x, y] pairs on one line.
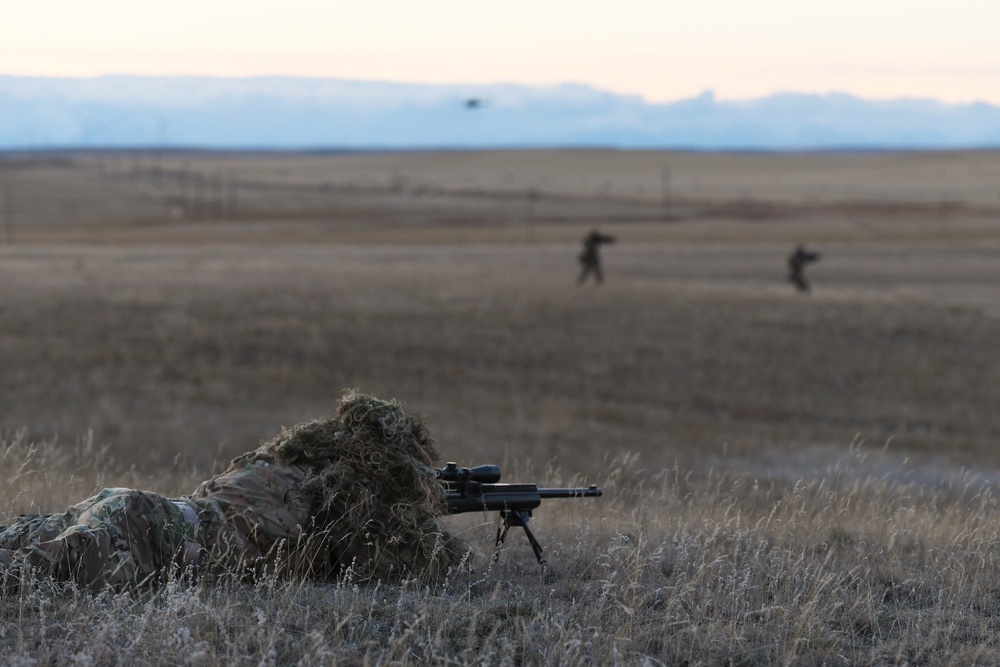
[[847, 567]]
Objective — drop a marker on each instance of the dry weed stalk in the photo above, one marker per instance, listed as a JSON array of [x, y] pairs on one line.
[[845, 568]]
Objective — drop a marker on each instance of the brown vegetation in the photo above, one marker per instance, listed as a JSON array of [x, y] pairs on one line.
[[790, 479]]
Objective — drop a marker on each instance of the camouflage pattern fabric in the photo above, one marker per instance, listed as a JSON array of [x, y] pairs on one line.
[[255, 517], [357, 491], [244, 521], [119, 537]]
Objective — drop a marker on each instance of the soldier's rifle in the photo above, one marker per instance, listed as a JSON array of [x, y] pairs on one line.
[[479, 489]]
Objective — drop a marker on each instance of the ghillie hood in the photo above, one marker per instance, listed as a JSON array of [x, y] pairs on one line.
[[377, 497]]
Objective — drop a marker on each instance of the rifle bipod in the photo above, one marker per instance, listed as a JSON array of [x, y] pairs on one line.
[[520, 518]]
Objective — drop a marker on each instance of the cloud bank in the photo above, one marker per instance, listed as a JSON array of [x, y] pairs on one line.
[[301, 113]]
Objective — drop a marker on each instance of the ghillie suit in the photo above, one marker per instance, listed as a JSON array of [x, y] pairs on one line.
[[357, 491]]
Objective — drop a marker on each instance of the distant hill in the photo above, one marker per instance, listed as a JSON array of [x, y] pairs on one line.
[[302, 113]]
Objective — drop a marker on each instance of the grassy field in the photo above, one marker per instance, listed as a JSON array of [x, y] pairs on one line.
[[790, 478]]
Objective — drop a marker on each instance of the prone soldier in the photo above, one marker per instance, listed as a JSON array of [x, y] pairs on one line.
[[358, 490]]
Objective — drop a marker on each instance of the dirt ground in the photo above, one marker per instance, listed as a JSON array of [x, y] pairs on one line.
[[182, 306]]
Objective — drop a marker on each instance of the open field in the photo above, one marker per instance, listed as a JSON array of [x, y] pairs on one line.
[[198, 335], [798, 479]]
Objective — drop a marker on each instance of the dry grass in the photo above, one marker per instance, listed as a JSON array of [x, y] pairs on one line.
[[690, 353], [145, 346], [844, 568]]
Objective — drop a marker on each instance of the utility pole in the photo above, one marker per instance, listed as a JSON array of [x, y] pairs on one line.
[[233, 196], [668, 203], [204, 197], [8, 214], [218, 196], [197, 192], [529, 212], [185, 190]]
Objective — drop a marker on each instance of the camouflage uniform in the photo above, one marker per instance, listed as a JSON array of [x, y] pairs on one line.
[[117, 537], [283, 508], [590, 258], [235, 522], [252, 513], [797, 262]]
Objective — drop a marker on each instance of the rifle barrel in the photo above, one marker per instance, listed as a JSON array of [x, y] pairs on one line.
[[589, 492]]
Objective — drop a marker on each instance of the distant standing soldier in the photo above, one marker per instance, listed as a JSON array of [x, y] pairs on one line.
[[796, 265], [590, 258]]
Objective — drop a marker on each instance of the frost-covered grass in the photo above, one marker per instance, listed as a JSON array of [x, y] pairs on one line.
[[848, 567]]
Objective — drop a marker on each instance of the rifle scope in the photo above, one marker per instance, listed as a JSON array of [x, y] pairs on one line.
[[487, 474]]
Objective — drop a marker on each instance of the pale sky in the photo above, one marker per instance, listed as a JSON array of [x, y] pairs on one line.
[[660, 50]]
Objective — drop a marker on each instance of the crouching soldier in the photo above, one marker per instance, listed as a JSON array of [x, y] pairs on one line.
[[590, 258], [358, 490], [797, 262]]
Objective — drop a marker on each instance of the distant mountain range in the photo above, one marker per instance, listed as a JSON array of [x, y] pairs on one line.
[[303, 113]]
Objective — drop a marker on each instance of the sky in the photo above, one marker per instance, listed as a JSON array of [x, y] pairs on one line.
[[662, 51]]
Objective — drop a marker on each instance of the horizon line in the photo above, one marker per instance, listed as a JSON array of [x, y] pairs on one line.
[[707, 92]]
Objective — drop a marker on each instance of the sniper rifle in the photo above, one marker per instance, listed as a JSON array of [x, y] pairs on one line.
[[478, 490]]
